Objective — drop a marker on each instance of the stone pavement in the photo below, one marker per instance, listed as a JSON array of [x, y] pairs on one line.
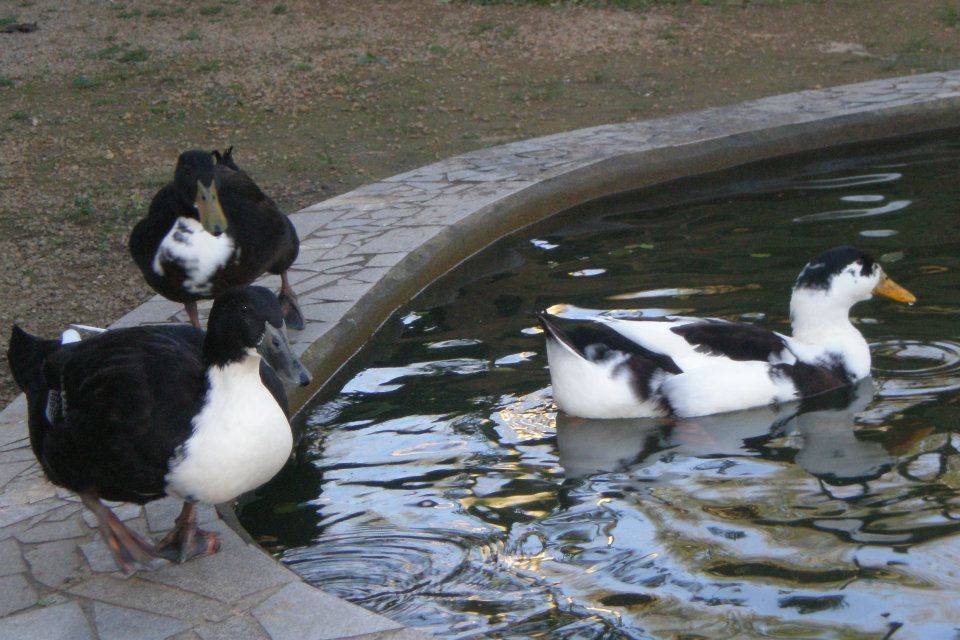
[[363, 254]]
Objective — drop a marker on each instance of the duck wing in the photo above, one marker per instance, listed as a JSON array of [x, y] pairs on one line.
[[736, 341], [129, 396]]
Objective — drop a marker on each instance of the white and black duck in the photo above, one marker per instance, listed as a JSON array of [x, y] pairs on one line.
[[211, 229], [139, 413], [623, 368]]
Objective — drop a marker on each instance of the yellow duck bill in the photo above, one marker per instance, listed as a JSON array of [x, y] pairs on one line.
[[211, 213], [890, 289]]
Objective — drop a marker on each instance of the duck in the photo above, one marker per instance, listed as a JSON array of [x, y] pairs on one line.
[[609, 367], [212, 228], [139, 413]]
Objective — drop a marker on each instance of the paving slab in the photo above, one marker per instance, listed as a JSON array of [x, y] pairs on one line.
[[122, 623], [298, 612], [60, 622], [15, 594]]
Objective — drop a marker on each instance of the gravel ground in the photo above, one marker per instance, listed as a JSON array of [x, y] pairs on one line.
[[319, 97]]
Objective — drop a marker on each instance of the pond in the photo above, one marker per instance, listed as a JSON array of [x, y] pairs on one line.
[[438, 486]]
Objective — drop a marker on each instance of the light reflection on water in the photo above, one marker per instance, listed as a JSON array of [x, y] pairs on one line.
[[440, 487]]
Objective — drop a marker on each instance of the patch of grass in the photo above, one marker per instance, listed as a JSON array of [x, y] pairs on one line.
[[82, 210], [509, 31], [156, 13], [916, 43], [302, 66], [279, 9], [83, 82], [20, 116], [126, 15], [108, 52], [139, 54], [193, 34], [5, 82], [208, 66], [4, 21], [211, 9], [437, 49], [539, 92], [370, 58], [598, 77], [482, 27], [949, 15]]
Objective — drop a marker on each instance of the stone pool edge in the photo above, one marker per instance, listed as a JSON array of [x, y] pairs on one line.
[[364, 254]]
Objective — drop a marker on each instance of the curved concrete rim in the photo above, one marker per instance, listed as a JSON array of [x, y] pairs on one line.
[[363, 255]]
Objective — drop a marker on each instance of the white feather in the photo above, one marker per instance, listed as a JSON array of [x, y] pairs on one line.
[[725, 385], [199, 253], [241, 438], [596, 390]]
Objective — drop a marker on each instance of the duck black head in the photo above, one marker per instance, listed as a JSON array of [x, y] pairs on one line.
[[248, 319], [195, 181], [837, 279]]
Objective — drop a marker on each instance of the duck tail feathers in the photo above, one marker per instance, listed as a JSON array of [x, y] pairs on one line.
[[26, 354]]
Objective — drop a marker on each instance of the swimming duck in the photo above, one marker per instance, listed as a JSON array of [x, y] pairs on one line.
[[139, 413], [624, 368], [211, 229]]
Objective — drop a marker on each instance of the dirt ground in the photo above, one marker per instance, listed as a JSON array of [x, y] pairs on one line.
[[322, 96]]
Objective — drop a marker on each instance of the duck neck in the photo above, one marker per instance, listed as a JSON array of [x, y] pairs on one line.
[[821, 321], [816, 316], [225, 351]]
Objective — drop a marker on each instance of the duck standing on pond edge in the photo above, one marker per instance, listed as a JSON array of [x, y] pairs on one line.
[[139, 413], [212, 229]]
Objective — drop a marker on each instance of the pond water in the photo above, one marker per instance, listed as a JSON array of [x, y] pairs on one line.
[[439, 486]]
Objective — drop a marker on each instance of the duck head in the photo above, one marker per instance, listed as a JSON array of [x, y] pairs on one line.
[[833, 282], [196, 183], [248, 321]]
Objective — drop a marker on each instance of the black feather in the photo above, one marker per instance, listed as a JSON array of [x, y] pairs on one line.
[[597, 342], [819, 271], [734, 340]]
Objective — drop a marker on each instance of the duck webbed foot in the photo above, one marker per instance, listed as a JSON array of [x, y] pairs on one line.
[[292, 315], [186, 540], [130, 550]]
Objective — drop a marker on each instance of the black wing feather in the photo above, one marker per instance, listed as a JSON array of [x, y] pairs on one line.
[[734, 340]]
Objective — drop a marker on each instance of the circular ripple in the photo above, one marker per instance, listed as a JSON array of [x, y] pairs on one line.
[[914, 367]]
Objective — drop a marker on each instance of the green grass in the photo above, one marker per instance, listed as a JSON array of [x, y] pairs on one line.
[[7, 20], [193, 34], [279, 9], [20, 116], [108, 52], [5, 82], [135, 13], [369, 58], [156, 13], [949, 15], [83, 82], [82, 210], [139, 54], [211, 10]]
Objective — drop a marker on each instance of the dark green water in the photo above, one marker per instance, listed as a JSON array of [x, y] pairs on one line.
[[439, 487]]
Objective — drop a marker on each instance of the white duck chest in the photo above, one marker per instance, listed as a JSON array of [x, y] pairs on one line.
[[199, 253], [241, 438]]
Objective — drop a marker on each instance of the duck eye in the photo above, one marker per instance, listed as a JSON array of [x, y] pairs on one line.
[[276, 343]]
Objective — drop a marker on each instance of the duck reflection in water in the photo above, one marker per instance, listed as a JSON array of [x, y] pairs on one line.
[[825, 427]]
